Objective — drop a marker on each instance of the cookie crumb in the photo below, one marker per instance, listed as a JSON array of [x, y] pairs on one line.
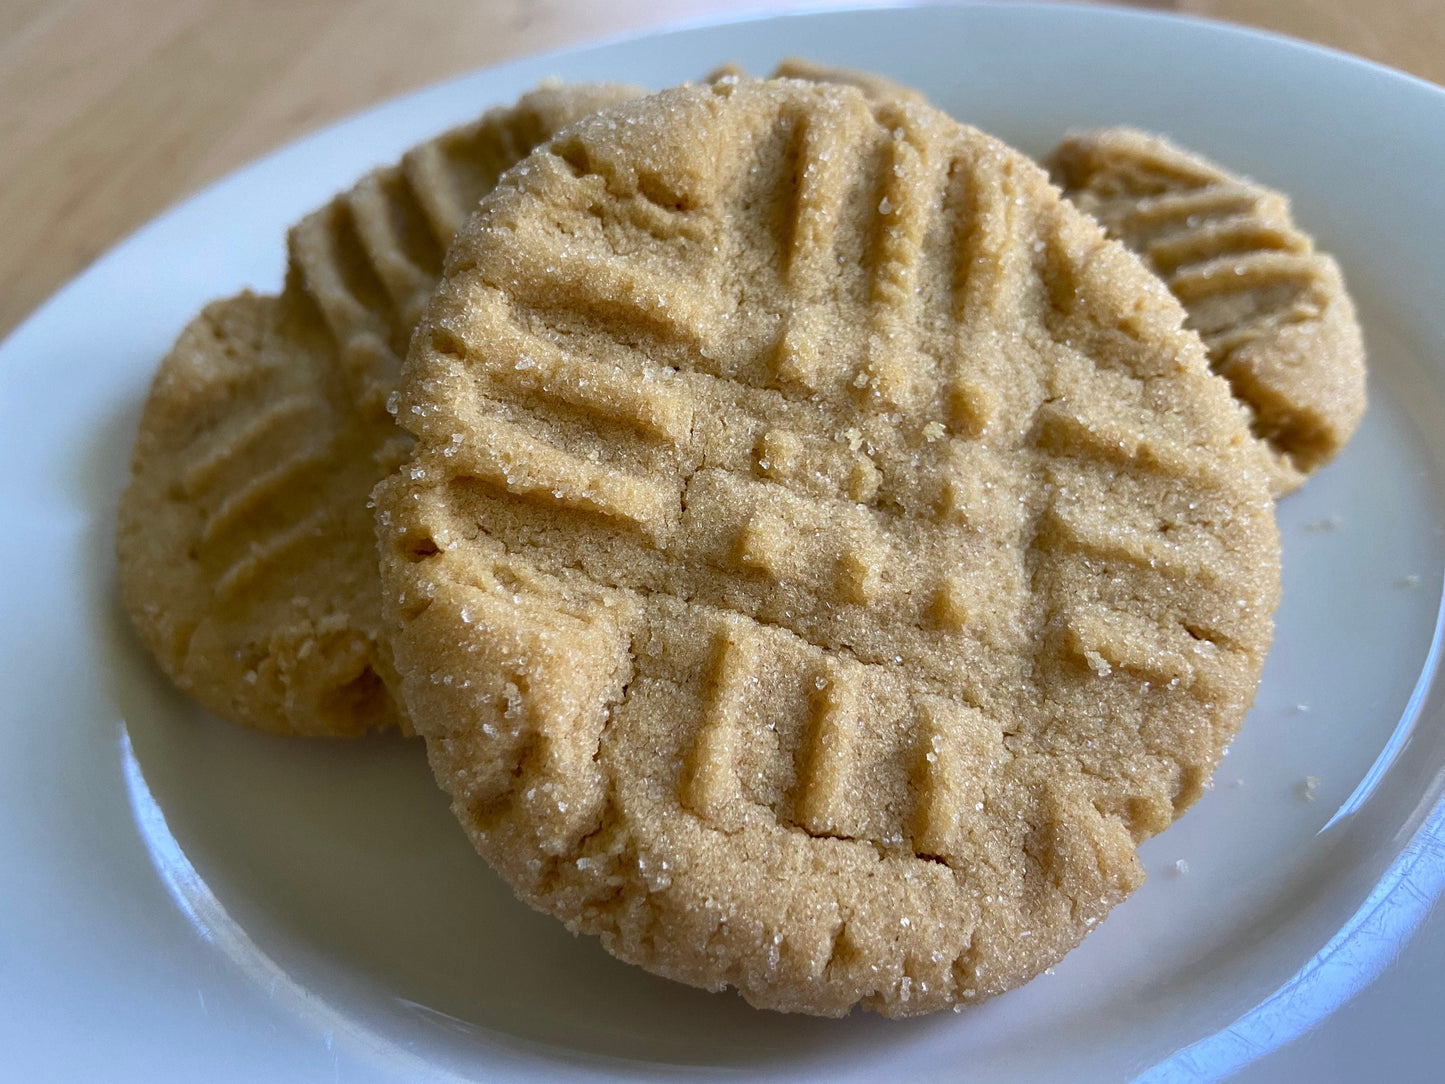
[[1325, 523], [1309, 787], [1180, 868], [1412, 580]]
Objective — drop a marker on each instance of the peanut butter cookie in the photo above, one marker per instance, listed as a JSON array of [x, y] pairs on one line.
[[1272, 310], [247, 557], [824, 556]]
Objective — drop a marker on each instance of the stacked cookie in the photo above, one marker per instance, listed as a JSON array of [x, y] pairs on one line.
[[814, 553], [247, 552]]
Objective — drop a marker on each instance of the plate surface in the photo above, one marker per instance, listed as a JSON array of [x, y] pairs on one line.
[[185, 900]]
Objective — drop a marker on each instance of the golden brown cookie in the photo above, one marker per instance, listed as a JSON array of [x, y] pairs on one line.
[[1273, 311], [240, 557], [824, 556], [247, 555]]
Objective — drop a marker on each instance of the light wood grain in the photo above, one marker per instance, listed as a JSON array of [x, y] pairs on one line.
[[111, 110]]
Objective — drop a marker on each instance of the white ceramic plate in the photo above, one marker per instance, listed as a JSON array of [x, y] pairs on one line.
[[181, 899]]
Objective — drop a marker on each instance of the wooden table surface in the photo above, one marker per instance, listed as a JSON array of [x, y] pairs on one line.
[[112, 110]]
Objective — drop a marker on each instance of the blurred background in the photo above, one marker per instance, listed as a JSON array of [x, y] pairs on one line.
[[112, 110]]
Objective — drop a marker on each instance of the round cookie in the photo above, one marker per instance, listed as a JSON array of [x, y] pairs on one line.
[[1273, 311], [246, 549], [824, 556]]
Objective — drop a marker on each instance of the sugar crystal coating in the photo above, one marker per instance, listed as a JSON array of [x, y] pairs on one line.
[[820, 600], [1273, 311]]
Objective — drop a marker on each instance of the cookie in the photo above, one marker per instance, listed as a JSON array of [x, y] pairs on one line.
[[824, 556], [240, 560], [1272, 310], [246, 551]]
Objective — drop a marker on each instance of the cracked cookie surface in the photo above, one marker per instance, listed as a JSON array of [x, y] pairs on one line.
[[824, 556]]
